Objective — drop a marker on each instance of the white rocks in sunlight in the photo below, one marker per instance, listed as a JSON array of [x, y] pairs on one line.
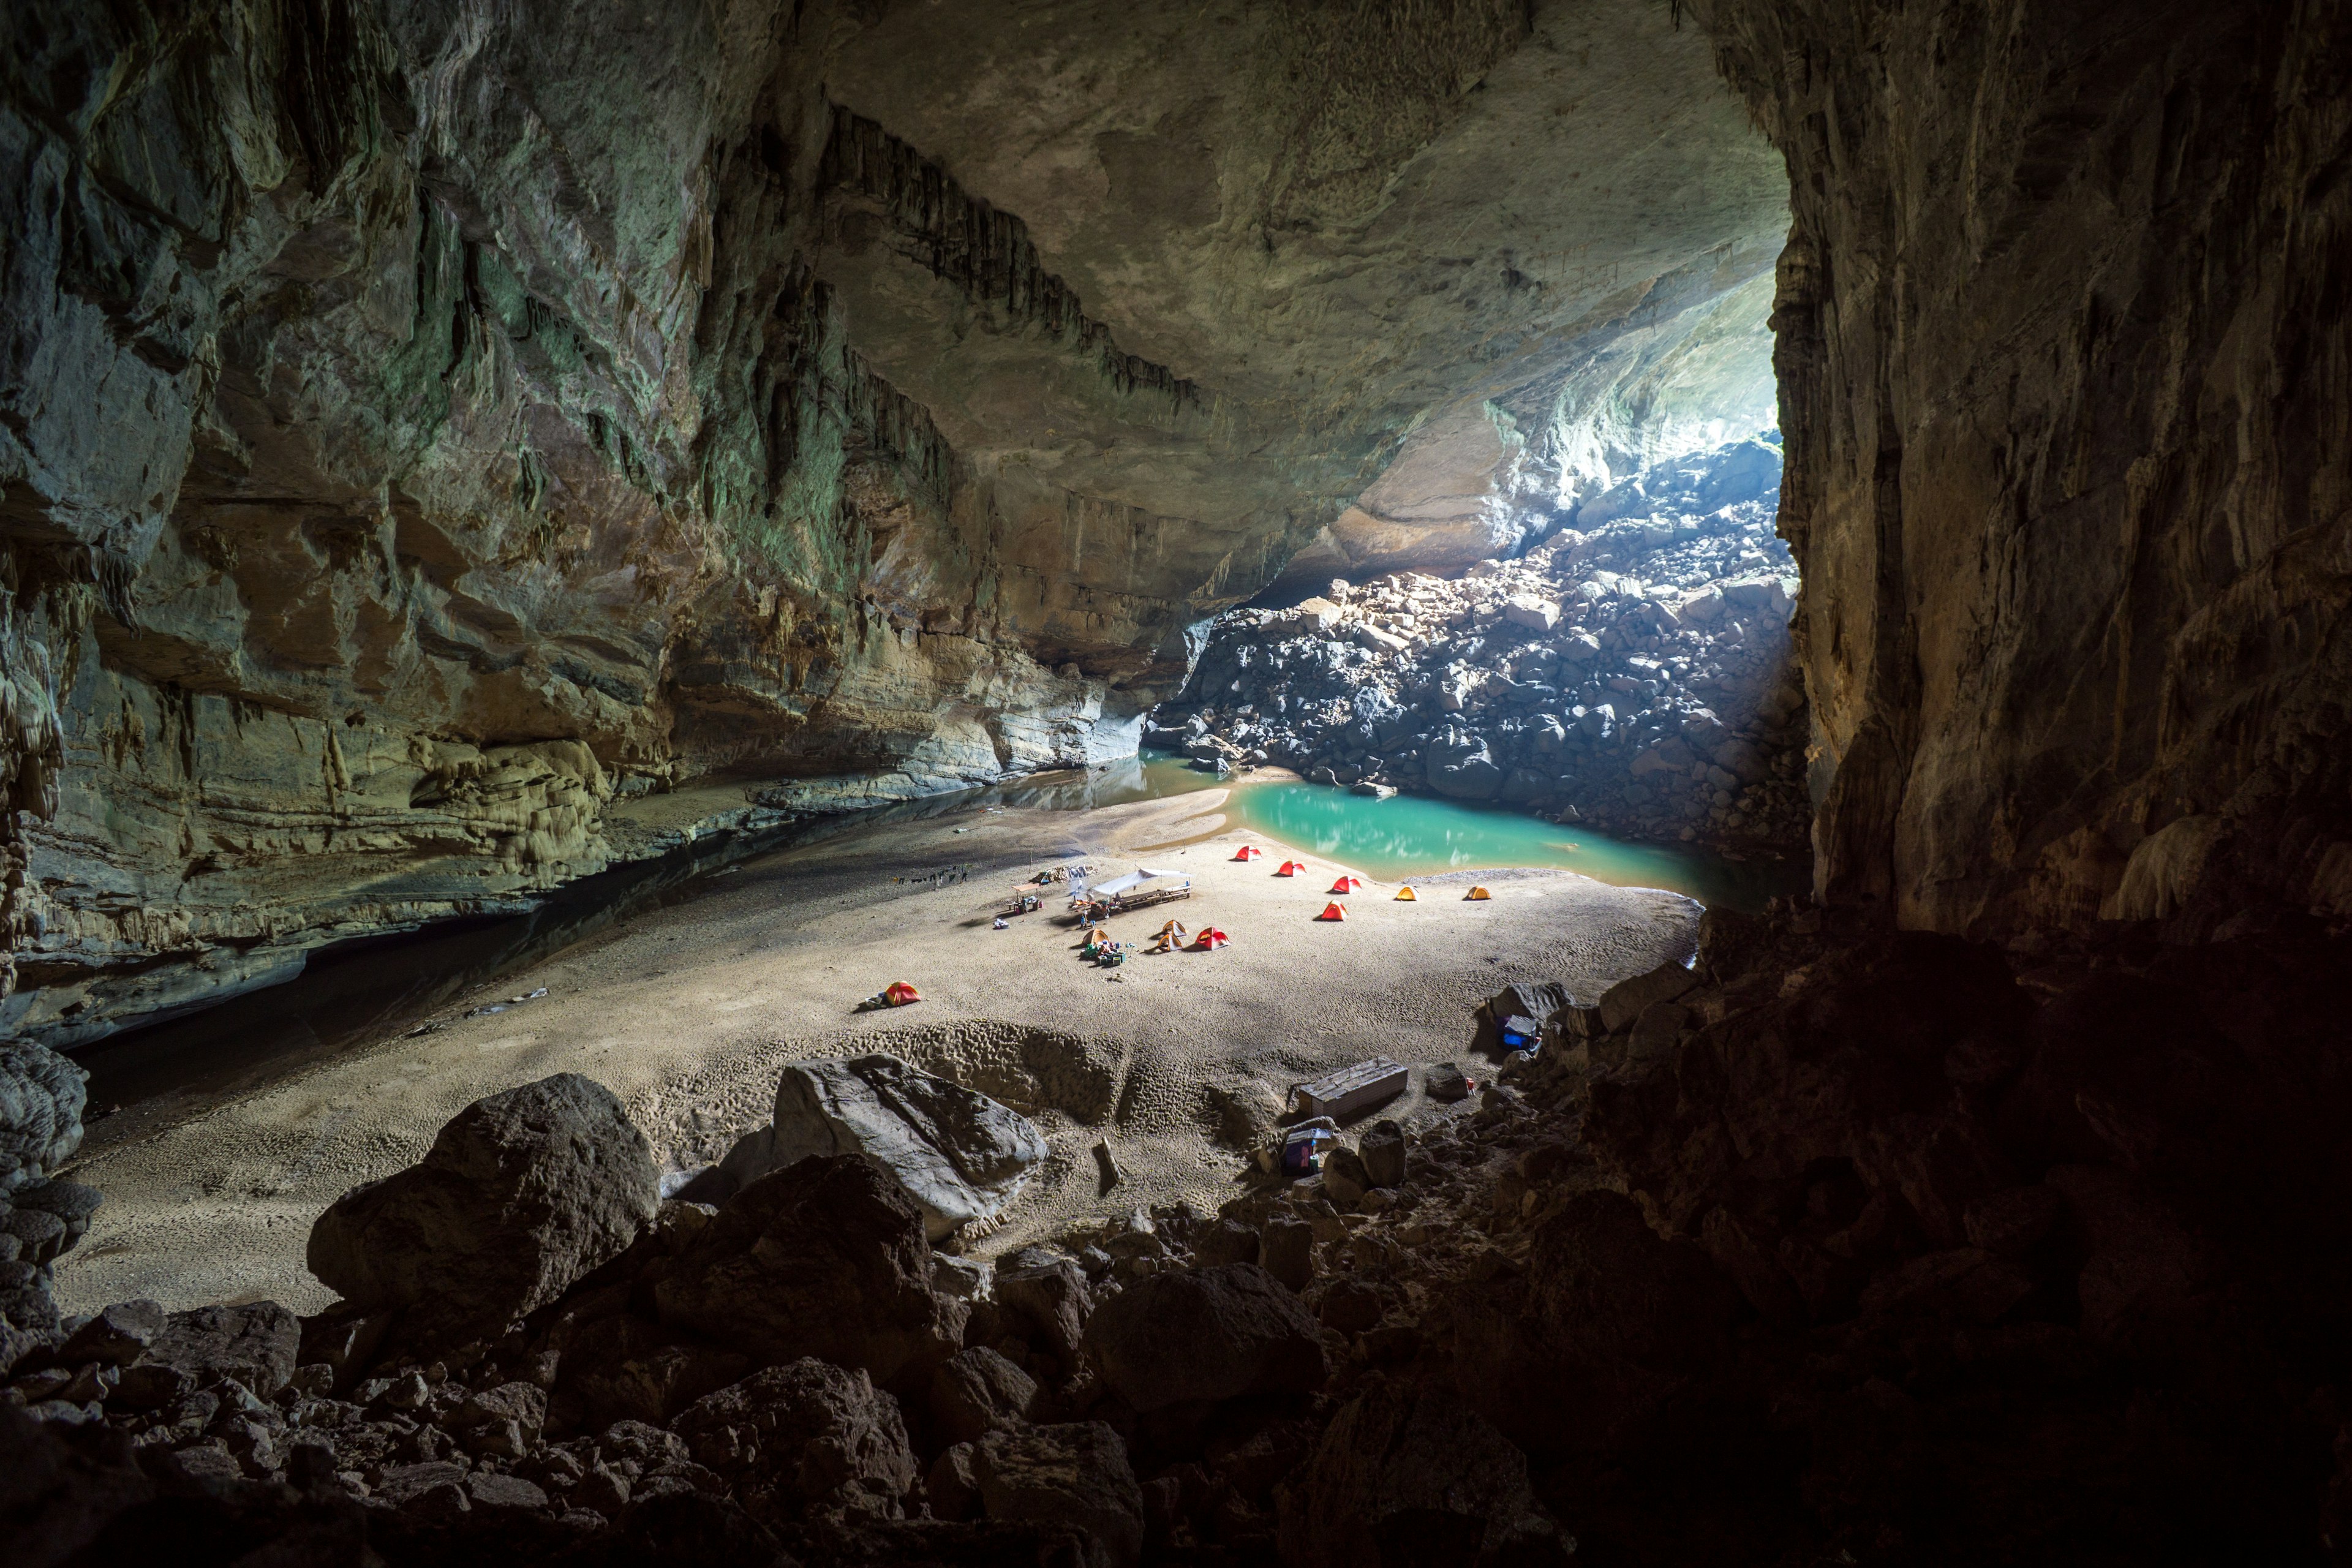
[[958, 1155]]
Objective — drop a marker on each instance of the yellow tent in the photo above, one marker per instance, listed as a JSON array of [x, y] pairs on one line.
[[1479, 893], [1405, 895]]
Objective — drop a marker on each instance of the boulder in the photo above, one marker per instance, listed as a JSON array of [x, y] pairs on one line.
[[1629, 999], [1465, 774], [1075, 1473], [256, 1345], [1225, 1241], [1203, 1335], [1609, 1321], [521, 1194], [60, 1211], [826, 1258], [504, 1422], [1046, 1294], [41, 1098], [1527, 610], [976, 1392], [1345, 1181], [958, 1155], [1408, 1475], [1445, 1082], [952, 1485], [806, 1436], [1382, 1148], [118, 1335]]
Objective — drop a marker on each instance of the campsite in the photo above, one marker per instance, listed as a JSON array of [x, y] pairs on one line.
[[689, 1011]]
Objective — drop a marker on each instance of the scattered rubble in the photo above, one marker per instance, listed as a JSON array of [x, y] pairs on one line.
[[1773, 1258]]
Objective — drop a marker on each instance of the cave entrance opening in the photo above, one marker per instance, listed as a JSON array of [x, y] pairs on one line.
[[1614, 652]]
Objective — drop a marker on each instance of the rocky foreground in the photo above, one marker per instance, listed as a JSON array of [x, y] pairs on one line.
[[1839, 1246], [1632, 672]]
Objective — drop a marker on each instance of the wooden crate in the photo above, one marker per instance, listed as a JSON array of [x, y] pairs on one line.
[[1350, 1089]]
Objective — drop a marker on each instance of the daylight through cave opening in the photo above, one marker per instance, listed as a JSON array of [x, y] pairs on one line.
[[1589, 622]]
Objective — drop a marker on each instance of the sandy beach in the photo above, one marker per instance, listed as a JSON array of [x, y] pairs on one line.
[[688, 1013]]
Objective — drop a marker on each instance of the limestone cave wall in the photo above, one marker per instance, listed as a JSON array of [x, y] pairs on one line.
[[2065, 371], [447, 448]]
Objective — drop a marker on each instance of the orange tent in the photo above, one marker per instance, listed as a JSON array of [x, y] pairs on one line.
[[1332, 912], [1210, 940], [1405, 895], [1477, 893], [1348, 885], [1250, 852], [1289, 869], [899, 993]]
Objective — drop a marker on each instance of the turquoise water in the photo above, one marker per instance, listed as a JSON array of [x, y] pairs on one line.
[[1410, 836]]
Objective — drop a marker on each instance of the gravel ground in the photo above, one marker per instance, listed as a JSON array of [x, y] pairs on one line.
[[687, 1012]]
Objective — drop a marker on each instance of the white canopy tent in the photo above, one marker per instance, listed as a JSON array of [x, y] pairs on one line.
[[1136, 878]]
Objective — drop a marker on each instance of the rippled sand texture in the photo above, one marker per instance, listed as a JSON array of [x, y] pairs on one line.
[[689, 1011]]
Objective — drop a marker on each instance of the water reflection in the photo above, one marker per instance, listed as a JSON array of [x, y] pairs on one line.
[[1408, 835]]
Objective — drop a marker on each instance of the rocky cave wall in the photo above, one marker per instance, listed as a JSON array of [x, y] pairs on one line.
[[2064, 368], [445, 450]]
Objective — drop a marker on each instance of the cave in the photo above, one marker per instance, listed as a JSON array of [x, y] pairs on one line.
[[546, 549]]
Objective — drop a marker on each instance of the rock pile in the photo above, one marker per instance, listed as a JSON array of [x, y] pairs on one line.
[[1632, 672], [1929, 1250], [42, 1217]]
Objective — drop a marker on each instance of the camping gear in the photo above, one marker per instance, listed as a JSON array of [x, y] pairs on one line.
[[1142, 888], [1113, 956], [1250, 852], [1332, 912], [897, 993], [1405, 895], [1350, 1089], [1210, 940], [1303, 1149], [1522, 1035], [1477, 893], [1003, 924], [1348, 885], [1530, 1002], [1289, 869]]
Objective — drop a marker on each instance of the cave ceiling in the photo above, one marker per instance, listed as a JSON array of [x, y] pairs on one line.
[[448, 448]]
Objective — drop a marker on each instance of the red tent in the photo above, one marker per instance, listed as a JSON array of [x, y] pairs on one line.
[[1289, 869], [899, 993], [1348, 885], [1332, 912], [1210, 940], [1250, 852]]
